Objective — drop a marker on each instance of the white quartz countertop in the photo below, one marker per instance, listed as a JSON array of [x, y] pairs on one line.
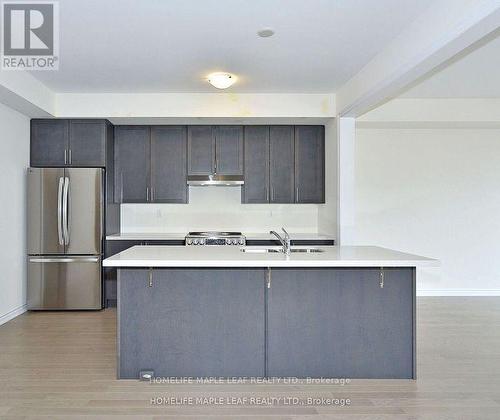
[[146, 236], [231, 256], [152, 236]]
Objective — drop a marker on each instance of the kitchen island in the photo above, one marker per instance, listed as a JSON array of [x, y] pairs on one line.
[[221, 312]]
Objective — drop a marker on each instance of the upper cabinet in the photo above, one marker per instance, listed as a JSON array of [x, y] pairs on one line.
[[169, 164], [201, 150], [49, 142], [87, 144], [309, 164], [229, 150], [256, 152], [150, 164], [281, 164], [215, 149], [69, 142], [132, 164], [284, 164]]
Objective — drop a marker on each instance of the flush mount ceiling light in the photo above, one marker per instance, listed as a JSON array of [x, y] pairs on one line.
[[221, 80], [265, 33]]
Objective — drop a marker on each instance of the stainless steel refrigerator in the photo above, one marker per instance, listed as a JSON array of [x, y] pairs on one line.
[[65, 235]]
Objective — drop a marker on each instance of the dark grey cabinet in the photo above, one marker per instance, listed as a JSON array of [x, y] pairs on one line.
[[229, 150], [215, 149], [169, 164], [309, 164], [256, 164], [132, 164], [150, 164], [281, 163], [49, 142], [113, 247], [201, 150], [340, 323], [87, 144], [69, 142], [284, 164], [200, 323]]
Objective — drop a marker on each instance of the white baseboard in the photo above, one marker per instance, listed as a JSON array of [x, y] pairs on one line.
[[459, 292], [12, 314]]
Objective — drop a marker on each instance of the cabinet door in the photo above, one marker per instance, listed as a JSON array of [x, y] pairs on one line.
[[87, 142], [132, 164], [200, 322], [256, 152], [229, 150], [201, 150], [281, 164], [310, 164], [169, 164], [49, 142], [339, 323]]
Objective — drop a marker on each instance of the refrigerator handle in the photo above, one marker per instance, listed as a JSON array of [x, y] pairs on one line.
[[65, 215], [63, 259], [59, 211]]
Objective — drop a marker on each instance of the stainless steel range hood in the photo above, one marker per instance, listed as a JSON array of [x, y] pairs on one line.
[[216, 179]]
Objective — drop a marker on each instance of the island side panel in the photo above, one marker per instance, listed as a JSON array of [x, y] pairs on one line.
[[191, 322], [340, 323]]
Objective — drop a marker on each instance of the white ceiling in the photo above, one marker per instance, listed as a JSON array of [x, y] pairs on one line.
[[170, 46], [472, 75]]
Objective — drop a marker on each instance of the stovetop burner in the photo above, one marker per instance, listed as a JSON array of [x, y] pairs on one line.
[[214, 233], [215, 238]]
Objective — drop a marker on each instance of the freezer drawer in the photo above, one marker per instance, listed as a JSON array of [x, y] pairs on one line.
[[64, 282]]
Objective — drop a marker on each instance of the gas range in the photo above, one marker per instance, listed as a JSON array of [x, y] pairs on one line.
[[215, 238]]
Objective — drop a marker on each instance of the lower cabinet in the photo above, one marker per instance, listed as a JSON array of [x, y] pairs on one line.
[[340, 323], [113, 247], [314, 322], [191, 322]]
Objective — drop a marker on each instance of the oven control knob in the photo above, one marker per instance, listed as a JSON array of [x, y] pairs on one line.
[[202, 242], [241, 241], [234, 242], [189, 241], [195, 241]]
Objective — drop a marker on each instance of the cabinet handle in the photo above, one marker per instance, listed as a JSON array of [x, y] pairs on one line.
[[150, 277], [65, 157], [297, 194], [272, 194], [382, 277], [70, 159], [147, 193], [267, 194], [268, 278], [152, 194]]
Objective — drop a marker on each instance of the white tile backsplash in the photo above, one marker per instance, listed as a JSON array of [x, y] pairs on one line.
[[218, 208]]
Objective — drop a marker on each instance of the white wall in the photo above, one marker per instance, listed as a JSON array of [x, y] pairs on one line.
[[218, 208], [195, 105], [14, 159], [327, 213], [433, 192]]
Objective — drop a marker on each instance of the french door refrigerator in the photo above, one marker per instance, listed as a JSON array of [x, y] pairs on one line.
[[65, 228]]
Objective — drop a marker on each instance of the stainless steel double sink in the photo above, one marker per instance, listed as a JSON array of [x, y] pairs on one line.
[[281, 251]]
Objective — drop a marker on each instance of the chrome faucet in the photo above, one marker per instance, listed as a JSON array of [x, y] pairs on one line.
[[285, 240]]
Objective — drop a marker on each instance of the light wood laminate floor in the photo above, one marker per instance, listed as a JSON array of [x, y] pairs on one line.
[[62, 366]]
